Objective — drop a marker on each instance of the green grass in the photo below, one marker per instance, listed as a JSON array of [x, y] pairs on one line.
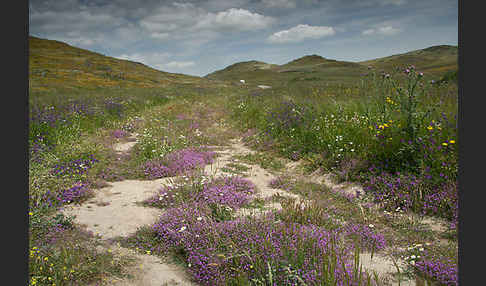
[[235, 168], [264, 160], [61, 254]]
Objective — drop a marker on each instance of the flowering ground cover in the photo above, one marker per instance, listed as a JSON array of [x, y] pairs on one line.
[[398, 139], [177, 163], [253, 250]]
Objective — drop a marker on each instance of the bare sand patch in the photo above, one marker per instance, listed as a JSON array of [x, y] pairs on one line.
[[121, 147], [384, 267], [114, 211]]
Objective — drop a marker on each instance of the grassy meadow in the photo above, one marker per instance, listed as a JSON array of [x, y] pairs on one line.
[[392, 131]]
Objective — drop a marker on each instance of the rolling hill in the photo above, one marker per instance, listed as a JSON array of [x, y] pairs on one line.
[[433, 61], [436, 60], [54, 64], [305, 69]]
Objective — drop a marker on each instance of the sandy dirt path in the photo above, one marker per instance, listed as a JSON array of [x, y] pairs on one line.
[[115, 212]]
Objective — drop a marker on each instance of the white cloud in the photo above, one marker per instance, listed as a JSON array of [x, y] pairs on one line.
[[150, 59], [388, 30], [187, 21], [235, 19], [368, 32], [168, 19], [175, 64], [393, 2], [384, 30], [157, 60], [300, 33], [279, 3]]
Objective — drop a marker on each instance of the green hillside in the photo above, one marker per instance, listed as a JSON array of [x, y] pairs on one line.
[[313, 69], [53, 64], [435, 61], [318, 71]]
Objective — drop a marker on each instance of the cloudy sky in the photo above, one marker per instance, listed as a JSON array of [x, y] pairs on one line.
[[198, 37]]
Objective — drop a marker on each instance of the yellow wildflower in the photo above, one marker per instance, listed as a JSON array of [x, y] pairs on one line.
[[452, 141], [445, 144], [31, 213], [430, 127]]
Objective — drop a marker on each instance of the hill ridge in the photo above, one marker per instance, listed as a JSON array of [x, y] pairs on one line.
[[56, 64], [435, 61]]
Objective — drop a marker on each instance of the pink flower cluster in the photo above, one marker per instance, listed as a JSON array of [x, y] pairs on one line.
[[178, 162]]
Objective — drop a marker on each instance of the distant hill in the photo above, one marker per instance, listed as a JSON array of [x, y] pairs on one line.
[[433, 61], [306, 61], [304, 69], [54, 64]]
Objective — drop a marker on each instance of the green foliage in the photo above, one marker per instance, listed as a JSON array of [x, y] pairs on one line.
[[327, 128]]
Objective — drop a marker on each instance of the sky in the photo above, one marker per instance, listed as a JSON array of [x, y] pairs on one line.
[[199, 37]]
